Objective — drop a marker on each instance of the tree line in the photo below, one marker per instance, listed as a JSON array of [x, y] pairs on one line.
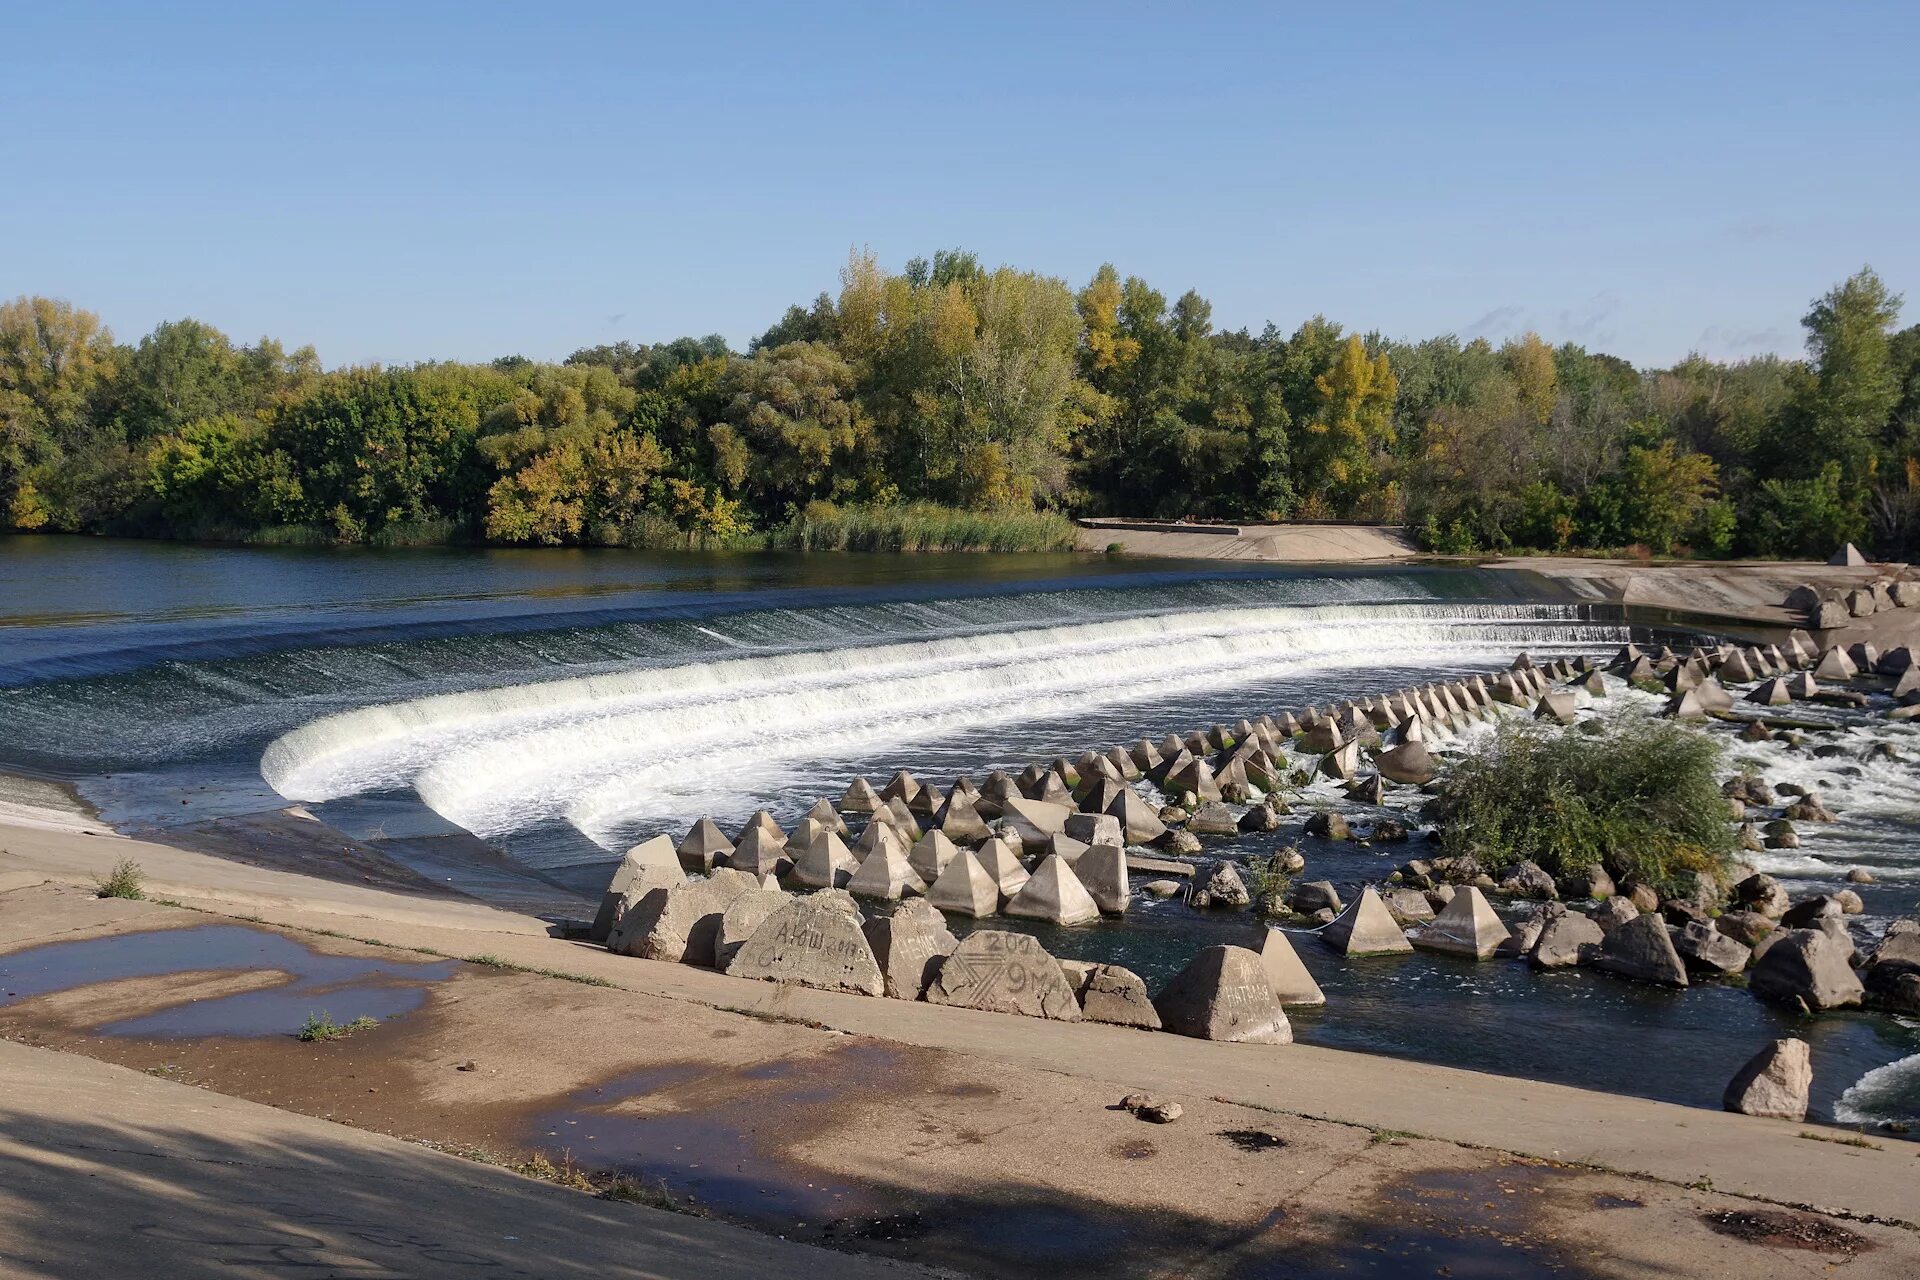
[[995, 394]]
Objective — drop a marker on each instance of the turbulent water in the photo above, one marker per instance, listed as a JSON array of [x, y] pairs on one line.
[[563, 704]]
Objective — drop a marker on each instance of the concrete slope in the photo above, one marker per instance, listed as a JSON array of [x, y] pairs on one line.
[[1277, 543]]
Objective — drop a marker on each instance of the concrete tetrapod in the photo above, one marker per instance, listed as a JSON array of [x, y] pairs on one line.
[[1291, 982], [860, 797], [1466, 926], [761, 853], [960, 821], [652, 864], [1224, 995], [1365, 928], [931, 855], [965, 888], [1005, 973], [1103, 870], [813, 942], [1054, 893], [1139, 823]]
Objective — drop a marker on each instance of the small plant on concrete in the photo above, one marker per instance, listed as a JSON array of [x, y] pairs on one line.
[[321, 1026], [124, 881], [1268, 881]]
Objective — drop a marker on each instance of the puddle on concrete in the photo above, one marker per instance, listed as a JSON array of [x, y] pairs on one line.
[[1466, 1224], [1787, 1231], [343, 987]]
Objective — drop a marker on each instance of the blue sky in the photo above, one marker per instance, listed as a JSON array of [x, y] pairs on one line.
[[414, 181]]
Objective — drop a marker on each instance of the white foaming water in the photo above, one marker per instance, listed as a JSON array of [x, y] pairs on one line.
[[1889, 1093], [667, 743]]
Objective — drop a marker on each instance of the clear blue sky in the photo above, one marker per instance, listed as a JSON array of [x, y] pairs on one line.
[[406, 181]]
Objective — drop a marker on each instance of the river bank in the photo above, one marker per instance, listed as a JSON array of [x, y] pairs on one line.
[[928, 1143]]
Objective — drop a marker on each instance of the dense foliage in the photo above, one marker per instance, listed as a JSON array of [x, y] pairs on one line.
[[1641, 798], [955, 405]]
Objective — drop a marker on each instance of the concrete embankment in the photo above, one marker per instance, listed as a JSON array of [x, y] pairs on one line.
[[1281, 543]]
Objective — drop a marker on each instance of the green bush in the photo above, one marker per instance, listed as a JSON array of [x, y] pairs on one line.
[[126, 880], [1641, 798], [922, 526]]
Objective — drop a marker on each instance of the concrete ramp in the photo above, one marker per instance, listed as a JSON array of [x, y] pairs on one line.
[[1279, 543]]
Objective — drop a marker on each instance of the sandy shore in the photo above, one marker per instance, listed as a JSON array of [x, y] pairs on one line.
[[921, 1115]]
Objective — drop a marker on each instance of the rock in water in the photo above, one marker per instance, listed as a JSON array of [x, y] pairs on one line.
[[1774, 1083], [965, 888], [1004, 973], [1054, 893], [653, 864], [1565, 940], [1366, 929], [1224, 995], [1214, 819], [813, 942], [1640, 949], [1291, 982], [1117, 995], [1808, 968], [1103, 870], [1220, 886], [1466, 927], [909, 946], [1705, 947]]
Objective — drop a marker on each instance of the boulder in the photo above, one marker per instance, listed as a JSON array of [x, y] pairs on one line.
[[1467, 927], [965, 888], [1409, 906], [1219, 885], [1310, 896], [1137, 819], [886, 874], [1162, 888], [1640, 949], [1588, 882], [1328, 825], [1260, 818], [1114, 994], [1366, 928], [679, 923], [811, 942], [1745, 927], [1761, 893], [909, 946], [1004, 972], [1103, 871], [1806, 968], [1861, 602], [703, 846], [1829, 614], [1566, 939], [1214, 820], [1703, 947], [1527, 880], [1289, 978], [742, 916], [653, 864], [1774, 1083], [1809, 912], [1224, 994], [1054, 893]]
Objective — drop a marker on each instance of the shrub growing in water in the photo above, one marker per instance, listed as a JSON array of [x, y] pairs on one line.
[[1640, 798]]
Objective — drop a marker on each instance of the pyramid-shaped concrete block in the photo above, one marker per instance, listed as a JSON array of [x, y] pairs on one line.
[[1002, 862], [763, 822], [1466, 926], [1103, 870], [826, 864], [761, 853], [878, 836], [652, 864], [1365, 928], [959, 820], [1288, 977], [902, 786], [1054, 893], [802, 836], [886, 874], [931, 855], [860, 797], [824, 812], [704, 846], [965, 888], [1849, 557], [1224, 995], [1138, 820]]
